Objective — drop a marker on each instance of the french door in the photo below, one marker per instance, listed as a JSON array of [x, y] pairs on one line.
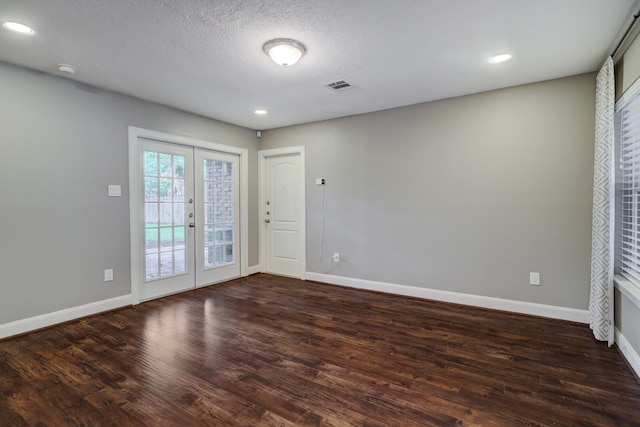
[[190, 205], [217, 217]]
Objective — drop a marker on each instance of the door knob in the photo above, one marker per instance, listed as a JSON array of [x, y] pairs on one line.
[[267, 220], [191, 225]]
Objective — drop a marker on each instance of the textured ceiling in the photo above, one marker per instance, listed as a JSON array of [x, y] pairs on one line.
[[205, 56]]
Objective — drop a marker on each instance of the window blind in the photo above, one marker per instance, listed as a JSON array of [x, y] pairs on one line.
[[628, 218]]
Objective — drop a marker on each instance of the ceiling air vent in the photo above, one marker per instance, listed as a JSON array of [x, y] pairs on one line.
[[338, 85]]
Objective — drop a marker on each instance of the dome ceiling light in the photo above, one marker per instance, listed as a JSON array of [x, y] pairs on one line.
[[284, 52]]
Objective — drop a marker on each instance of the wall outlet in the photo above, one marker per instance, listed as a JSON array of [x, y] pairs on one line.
[[336, 257], [108, 275], [534, 279], [319, 181]]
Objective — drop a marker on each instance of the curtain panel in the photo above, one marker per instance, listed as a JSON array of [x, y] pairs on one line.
[[603, 222]]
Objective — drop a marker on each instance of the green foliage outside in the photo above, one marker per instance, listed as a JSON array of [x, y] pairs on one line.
[[165, 166], [165, 234]]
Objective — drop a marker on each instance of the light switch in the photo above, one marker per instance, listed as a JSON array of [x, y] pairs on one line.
[[534, 279], [114, 191]]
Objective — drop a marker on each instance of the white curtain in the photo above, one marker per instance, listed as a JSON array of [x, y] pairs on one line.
[[603, 226]]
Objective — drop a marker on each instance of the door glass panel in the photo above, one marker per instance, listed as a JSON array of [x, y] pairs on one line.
[[228, 253], [150, 163], [151, 240], [208, 256], [151, 262], [179, 237], [219, 208], [208, 193], [166, 264], [178, 213], [228, 192], [180, 261], [150, 189], [178, 166], [208, 235], [178, 190], [165, 164], [165, 215], [217, 213]]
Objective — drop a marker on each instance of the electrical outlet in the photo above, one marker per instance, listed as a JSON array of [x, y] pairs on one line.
[[336, 257], [114, 190], [319, 181], [534, 279], [108, 275]]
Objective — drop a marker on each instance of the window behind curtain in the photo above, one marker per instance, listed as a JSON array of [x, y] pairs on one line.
[[627, 134]]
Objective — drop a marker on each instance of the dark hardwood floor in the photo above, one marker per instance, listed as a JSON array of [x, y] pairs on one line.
[[269, 351]]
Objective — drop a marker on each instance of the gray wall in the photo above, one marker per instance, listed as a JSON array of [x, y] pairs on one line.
[[467, 194], [62, 144]]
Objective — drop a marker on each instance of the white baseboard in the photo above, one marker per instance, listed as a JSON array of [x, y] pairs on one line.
[[38, 322], [628, 352], [550, 311], [254, 269]]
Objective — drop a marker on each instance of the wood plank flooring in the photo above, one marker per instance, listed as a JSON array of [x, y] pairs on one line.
[[270, 351]]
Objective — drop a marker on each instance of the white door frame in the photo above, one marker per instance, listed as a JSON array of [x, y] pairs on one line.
[[262, 158], [136, 214]]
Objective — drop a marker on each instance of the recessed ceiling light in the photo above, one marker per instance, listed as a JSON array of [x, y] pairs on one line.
[[500, 58], [17, 27], [260, 112]]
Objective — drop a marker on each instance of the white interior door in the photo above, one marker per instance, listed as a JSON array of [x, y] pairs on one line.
[[188, 211], [284, 215], [217, 217]]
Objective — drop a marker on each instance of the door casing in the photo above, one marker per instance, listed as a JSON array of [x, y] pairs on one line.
[[136, 214]]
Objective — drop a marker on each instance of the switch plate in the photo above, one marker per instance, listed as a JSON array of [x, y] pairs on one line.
[[108, 275], [114, 190], [534, 279]]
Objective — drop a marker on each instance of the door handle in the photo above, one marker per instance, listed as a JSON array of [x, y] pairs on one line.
[[191, 225], [267, 220]]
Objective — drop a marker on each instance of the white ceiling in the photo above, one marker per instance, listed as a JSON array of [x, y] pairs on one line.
[[205, 56]]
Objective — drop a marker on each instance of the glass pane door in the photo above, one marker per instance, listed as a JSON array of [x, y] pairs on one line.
[[218, 202], [168, 213]]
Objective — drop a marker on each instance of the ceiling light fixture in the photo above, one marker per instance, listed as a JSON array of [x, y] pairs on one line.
[[17, 27], [500, 58], [284, 52], [66, 68], [260, 112]]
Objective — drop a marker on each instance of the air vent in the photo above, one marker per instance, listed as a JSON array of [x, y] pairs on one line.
[[338, 85]]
